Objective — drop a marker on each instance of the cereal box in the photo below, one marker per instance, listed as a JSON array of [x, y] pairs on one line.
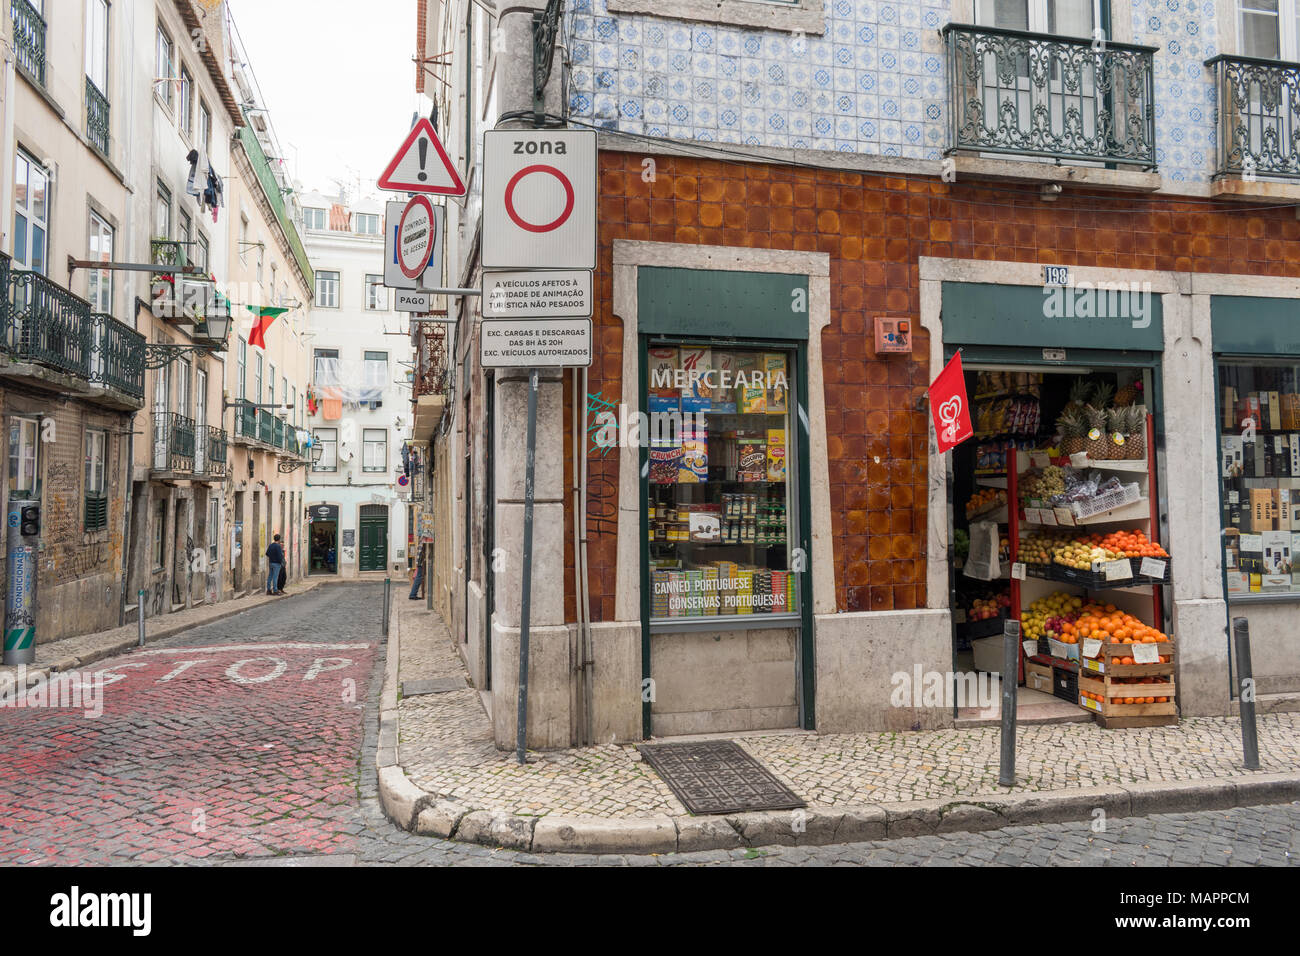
[[696, 393], [778, 382], [751, 387], [776, 464], [724, 398]]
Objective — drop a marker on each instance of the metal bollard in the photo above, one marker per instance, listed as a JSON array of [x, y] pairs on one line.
[[388, 589], [1246, 698], [1010, 669], [139, 614]]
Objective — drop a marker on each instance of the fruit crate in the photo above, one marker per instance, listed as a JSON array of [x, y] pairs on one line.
[[1043, 571], [1063, 651], [1139, 577], [1119, 716], [1126, 495], [1092, 580], [1065, 683], [1104, 664]]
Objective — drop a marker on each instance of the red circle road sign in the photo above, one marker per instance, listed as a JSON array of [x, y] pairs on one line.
[[415, 237], [523, 223]]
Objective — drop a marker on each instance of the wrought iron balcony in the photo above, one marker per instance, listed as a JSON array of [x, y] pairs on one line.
[[277, 432], [217, 451], [1032, 94], [46, 323], [173, 442], [245, 421], [1259, 116], [116, 355], [167, 252], [265, 427], [96, 117], [29, 39]]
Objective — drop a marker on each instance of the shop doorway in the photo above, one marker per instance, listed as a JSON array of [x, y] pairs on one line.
[[374, 537], [323, 535], [1059, 480]]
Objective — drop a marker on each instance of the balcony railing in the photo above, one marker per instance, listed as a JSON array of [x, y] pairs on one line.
[[277, 432], [245, 421], [173, 442], [1259, 116], [1032, 94], [29, 39], [46, 323], [117, 355], [431, 374], [216, 448], [265, 427], [96, 117], [167, 252]]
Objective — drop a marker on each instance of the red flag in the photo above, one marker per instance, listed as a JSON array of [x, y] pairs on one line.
[[265, 316], [949, 406]]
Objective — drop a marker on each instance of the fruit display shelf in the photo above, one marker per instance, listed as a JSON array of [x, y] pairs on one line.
[[1109, 661]]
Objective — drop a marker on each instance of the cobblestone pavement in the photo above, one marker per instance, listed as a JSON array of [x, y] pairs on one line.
[[446, 749], [124, 788]]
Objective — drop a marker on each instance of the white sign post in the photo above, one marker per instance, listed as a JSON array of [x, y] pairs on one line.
[[539, 295], [523, 343], [539, 199]]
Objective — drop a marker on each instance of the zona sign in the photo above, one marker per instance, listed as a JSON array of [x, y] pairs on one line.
[[415, 237], [519, 220]]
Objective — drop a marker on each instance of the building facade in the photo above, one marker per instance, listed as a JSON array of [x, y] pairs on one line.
[[360, 411], [889, 167], [142, 216]]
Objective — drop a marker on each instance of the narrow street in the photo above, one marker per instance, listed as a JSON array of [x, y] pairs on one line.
[[245, 741]]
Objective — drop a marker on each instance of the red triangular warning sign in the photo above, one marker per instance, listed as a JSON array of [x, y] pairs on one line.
[[422, 165]]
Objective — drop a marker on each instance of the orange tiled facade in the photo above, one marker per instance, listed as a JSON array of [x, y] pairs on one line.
[[875, 228]]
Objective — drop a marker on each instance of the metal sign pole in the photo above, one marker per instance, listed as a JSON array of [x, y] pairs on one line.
[[530, 462], [1246, 696], [1010, 667]]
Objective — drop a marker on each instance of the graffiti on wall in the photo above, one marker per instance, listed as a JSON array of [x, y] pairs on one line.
[[602, 472]]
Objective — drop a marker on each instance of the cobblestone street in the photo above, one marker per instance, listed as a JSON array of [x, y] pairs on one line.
[[248, 740]]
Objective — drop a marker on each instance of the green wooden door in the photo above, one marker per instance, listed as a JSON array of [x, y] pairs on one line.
[[374, 537]]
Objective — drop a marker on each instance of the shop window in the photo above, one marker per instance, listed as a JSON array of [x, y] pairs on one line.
[[1259, 441], [721, 499]]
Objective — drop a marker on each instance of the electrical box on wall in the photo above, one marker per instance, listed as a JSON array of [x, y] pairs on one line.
[[893, 335]]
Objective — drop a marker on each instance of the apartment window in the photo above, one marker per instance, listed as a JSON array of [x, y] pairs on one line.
[[159, 534], [374, 449], [243, 366], [186, 235], [274, 270], [24, 452], [96, 515], [205, 130], [374, 377], [327, 290], [270, 385], [261, 260], [328, 441], [326, 367], [31, 213], [313, 217], [202, 253], [187, 104], [97, 44], [367, 224], [1269, 28], [214, 528], [293, 406], [100, 281], [1074, 18], [257, 377], [376, 294], [165, 68], [162, 217]]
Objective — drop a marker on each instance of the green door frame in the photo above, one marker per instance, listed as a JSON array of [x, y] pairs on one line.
[[372, 522], [805, 660]]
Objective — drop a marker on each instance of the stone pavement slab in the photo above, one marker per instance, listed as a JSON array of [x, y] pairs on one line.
[[858, 786]]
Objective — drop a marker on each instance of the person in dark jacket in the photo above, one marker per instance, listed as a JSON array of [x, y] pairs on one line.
[[275, 558], [419, 577]]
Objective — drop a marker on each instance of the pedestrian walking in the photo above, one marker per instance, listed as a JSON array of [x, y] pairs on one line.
[[418, 580], [275, 558]]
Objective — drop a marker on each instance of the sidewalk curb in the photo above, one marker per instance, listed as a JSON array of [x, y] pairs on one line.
[[126, 645], [428, 814]]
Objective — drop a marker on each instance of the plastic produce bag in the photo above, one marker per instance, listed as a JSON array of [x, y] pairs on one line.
[[983, 562]]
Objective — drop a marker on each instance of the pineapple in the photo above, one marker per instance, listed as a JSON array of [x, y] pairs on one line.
[[1117, 420], [1080, 389], [1137, 432], [1072, 429], [1102, 396], [1129, 394], [1096, 442]]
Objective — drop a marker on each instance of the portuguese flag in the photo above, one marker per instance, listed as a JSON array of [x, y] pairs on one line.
[[265, 316]]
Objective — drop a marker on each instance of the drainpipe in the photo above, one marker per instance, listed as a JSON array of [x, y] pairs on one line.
[[582, 592]]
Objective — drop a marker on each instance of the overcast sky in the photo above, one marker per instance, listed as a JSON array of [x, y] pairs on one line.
[[338, 80]]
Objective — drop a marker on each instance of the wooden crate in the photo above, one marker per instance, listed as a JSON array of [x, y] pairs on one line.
[[1117, 716], [1104, 664]]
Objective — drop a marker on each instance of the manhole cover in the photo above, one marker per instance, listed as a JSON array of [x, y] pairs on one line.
[[717, 776], [436, 685]]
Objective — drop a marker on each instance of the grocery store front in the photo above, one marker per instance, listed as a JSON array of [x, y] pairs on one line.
[[1055, 511], [1256, 344]]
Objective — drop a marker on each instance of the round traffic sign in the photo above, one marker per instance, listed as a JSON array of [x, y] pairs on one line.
[[523, 223], [415, 237]]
